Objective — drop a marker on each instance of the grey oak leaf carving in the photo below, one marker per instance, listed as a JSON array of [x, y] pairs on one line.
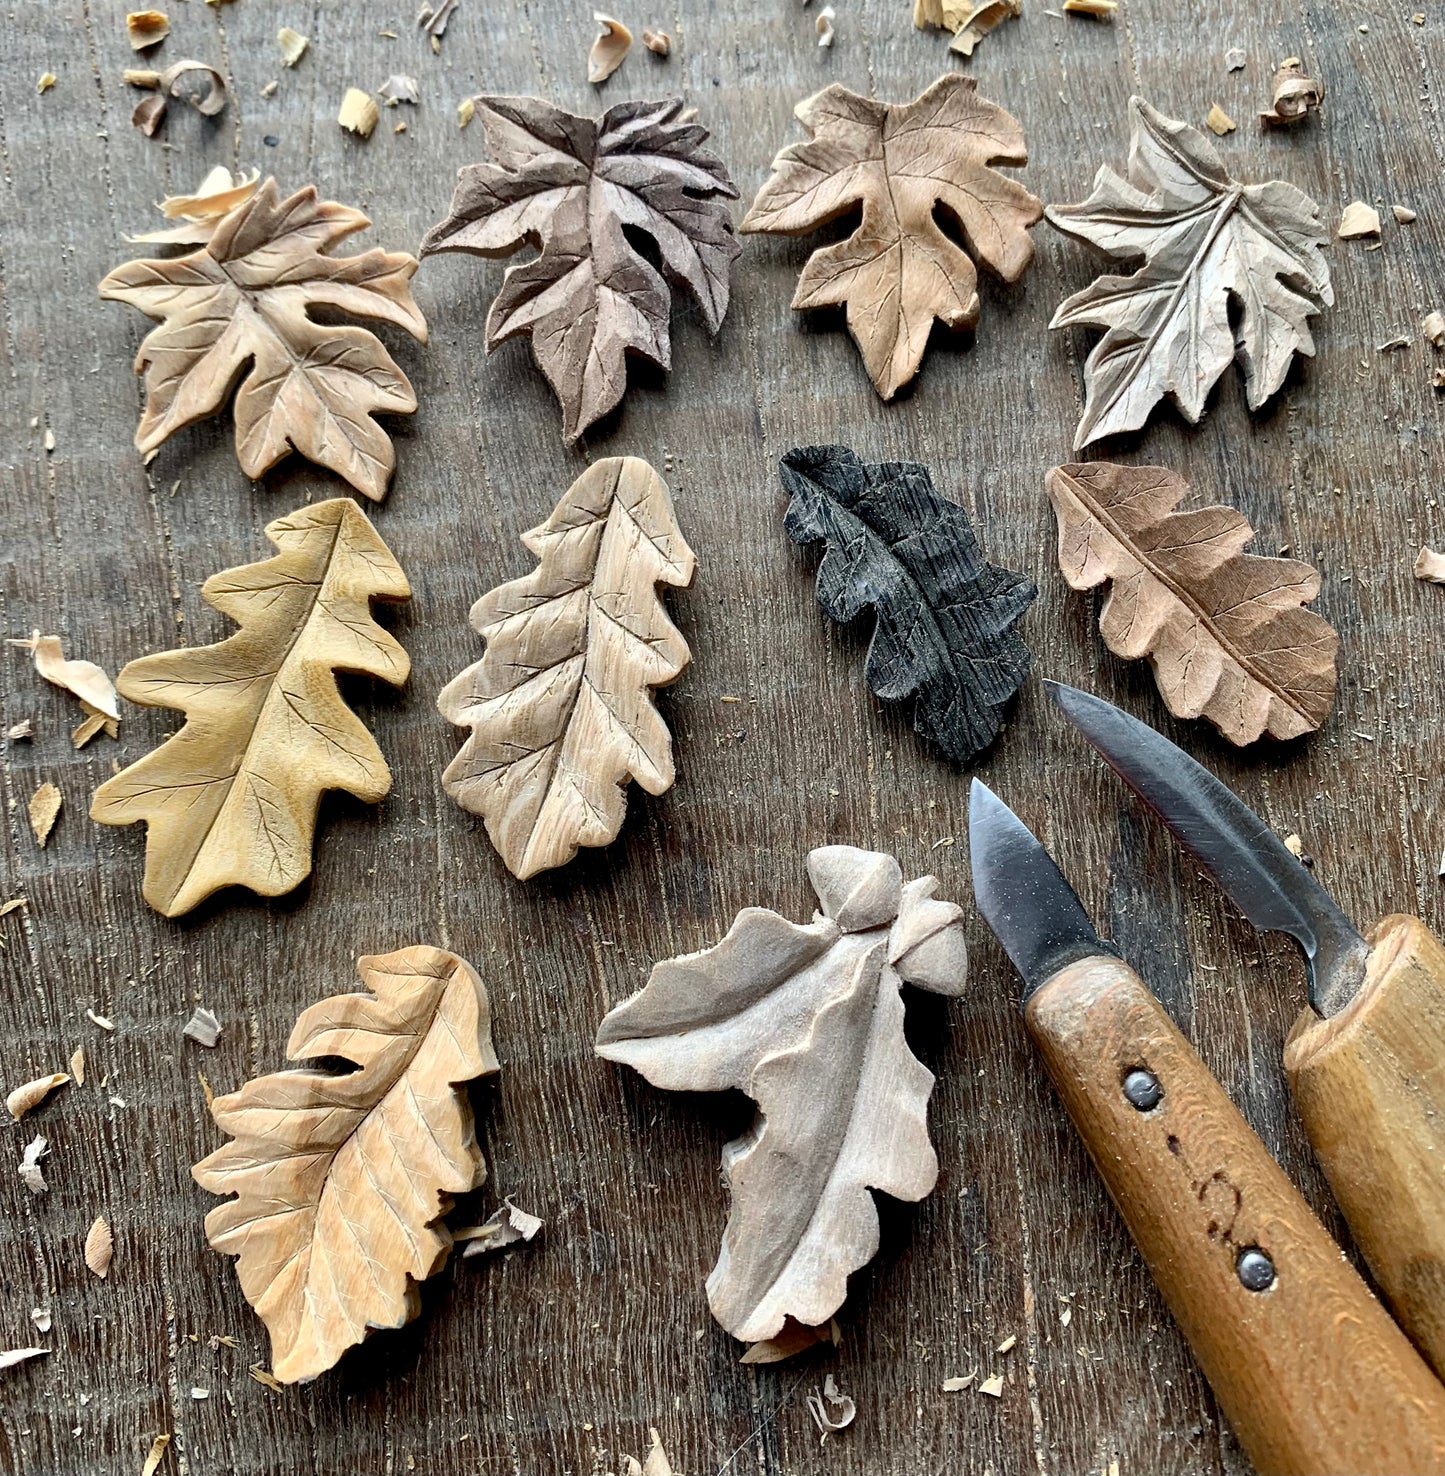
[[945, 617], [1205, 239], [808, 1021]]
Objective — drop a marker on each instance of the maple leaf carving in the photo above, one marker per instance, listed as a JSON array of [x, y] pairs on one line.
[[945, 632], [1205, 238], [576, 186], [243, 302], [231, 799], [1225, 630], [560, 705], [341, 1181], [902, 163], [808, 1021]]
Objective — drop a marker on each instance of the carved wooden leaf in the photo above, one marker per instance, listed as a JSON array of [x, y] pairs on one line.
[[945, 616], [576, 186], [560, 705], [808, 1021], [1224, 630], [1205, 238], [341, 1181], [243, 303], [902, 163], [231, 799]]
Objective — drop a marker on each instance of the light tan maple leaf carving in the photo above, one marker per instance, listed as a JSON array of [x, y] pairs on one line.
[[560, 705], [243, 303], [341, 1181], [232, 798], [808, 1021], [902, 163], [1225, 630]]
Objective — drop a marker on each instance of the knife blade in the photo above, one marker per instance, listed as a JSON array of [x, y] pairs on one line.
[[1305, 1363]]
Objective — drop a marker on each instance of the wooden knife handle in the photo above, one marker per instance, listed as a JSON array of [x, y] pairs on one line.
[[1370, 1085], [1310, 1370]]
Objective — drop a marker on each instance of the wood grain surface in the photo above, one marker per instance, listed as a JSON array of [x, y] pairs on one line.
[[557, 1356]]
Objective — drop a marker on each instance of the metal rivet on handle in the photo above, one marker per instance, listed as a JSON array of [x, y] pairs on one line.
[[1255, 1269], [1143, 1090]]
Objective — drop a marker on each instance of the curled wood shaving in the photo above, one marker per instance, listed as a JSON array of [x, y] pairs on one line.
[[1404, 214], [266, 1379], [433, 21], [957, 1383], [659, 43], [1219, 121], [203, 1028], [654, 1463], [146, 28], [1359, 219], [831, 1410], [358, 112], [9, 1357], [609, 48], [1099, 9], [206, 93], [980, 21], [77, 1066], [506, 1227], [30, 1174], [13, 905], [218, 194], [100, 1020], [293, 45], [99, 1249], [45, 82], [33, 1093], [40, 1316], [824, 25], [148, 114], [158, 1445], [1430, 565], [1294, 94], [992, 1386], [83, 679], [44, 807], [948, 15], [19, 730], [796, 1337], [398, 88], [94, 722]]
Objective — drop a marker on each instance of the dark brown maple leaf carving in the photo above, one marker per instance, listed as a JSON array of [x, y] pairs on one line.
[[574, 186]]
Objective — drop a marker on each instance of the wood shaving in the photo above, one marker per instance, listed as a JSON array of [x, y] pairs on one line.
[[831, 1410], [1295, 845], [77, 1066], [206, 92], [200, 1393], [270, 88], [1234, 59], [266, 1378], [45, 81], [824, 26], [1438, 379], [433, 21], [101, 1020], [44, 807], [30, 1174], [1398, 342], [359, 112], [146, 28], [611, 45], [158, 1445], [398, 88], [659, 43], [1099, 9], [992, 1386], [13, 905], [144, 77], [466, 111], [84, 679], [795, 1338], [1404, 214], [654, 1463], [1294, 94], [40, 1316], [19, 730], [980, 21], [957, 1383], [1358, 220], [206, 1091], [33, 1093], [400, 128], [99, 1249], [1433, 327], [203, 1028], [1219, 122], [149, 113], [1008, 1344], [218, 194], [293, 45], [1430, 565], [9, 1357], [506, 1227], [94, 723]]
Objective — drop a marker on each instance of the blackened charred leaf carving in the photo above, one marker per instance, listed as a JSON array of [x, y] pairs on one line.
[[232, 798], [902, 163], [576, 186], [1205, 238], [945, 616], [241, 305], [808, 1021], [1225, 630]]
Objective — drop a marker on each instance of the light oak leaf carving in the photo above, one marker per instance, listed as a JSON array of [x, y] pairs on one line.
[[808, 1021], [231, 799], [1224, 630], [560, 705], [903, 163]]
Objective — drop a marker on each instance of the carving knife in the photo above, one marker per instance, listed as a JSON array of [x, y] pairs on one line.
[[1366, 1059], [1308, 1367]]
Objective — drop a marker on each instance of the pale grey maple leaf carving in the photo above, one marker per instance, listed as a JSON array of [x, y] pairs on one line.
[[1205, 238]]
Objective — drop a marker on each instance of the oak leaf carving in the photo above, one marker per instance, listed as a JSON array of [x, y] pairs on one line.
[[808, 1021], [231, 799], [945, 631], [575, 187], [1225, 631], [243, 302], [560, 705], [341, 1180], [1205, 239], [903, 164]]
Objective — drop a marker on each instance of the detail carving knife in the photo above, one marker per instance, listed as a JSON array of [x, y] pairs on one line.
[[1366, 1059], [1307, 1366]]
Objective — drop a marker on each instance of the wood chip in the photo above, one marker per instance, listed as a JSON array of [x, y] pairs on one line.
[[1430, 566], [1359, 219], [44, 807], [1293, 94], [1234, 59], [957, 1383], [99, 1248], [158, 1445], [466, 111], [265, 1377], [30, 1174], [831, 1410], [17, 731], [659, 43], [101, 1020], [13, 905], [796, 1337], [203, 1028], [654, 1463], [77, 1066], [146, 28], [398, 88], [980, 21], [9, 1357], [145, 77], [293, 45], [40, 1316], [83, 679], [359, 112], [992, 1386], [95, 722], [198, 82], [823, 24], [506, 1227], [270, 89], [1219, 122], [45, 82], [433, 21], [1099, 9], [1390, 344], [1404, 214], [609, 48], [1008, 1344], [1433, 327]]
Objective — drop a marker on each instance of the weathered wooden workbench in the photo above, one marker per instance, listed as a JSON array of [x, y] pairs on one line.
[[558, 1357]]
